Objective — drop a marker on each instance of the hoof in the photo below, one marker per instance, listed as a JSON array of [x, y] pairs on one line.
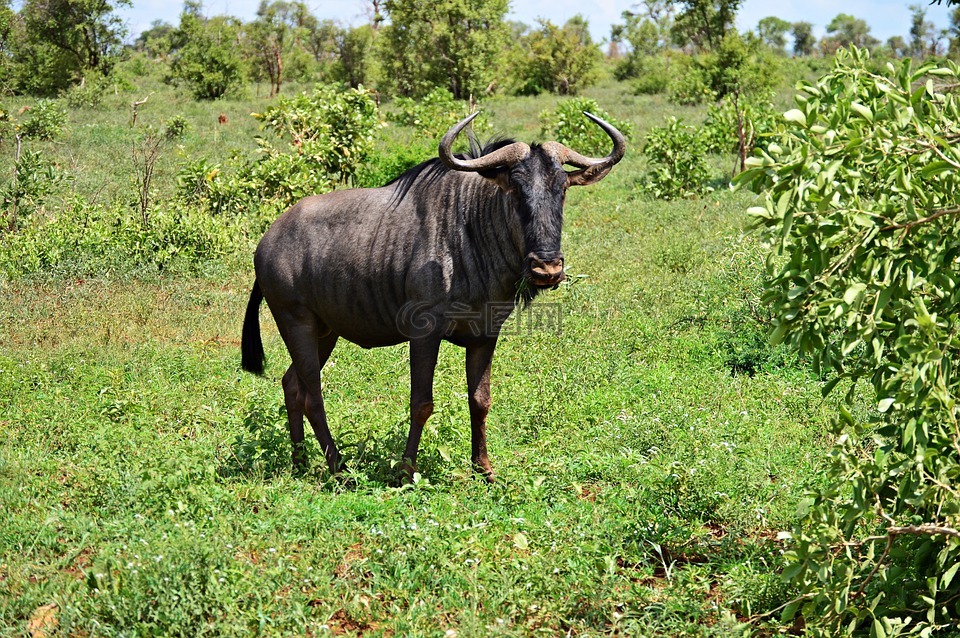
[[300, 464], [485, 470], [407, 471]]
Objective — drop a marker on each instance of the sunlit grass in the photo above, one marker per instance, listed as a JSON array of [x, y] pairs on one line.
[[146, 487]]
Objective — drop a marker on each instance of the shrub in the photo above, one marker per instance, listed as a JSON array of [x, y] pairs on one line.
[[688, 83], [209, 63], [759, 120], [677, 155], [735, 67], [45, 121], [860, 214], [435, 113], [175, 128], [330, 130], [652, 75], [86, 95], [560, 60], [34, 178], [569, 126], [90, 240], [196, 184], [319, 139], [385, 166]]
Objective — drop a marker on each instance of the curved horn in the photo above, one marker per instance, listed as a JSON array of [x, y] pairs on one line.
[[506, 156], [592, 169]]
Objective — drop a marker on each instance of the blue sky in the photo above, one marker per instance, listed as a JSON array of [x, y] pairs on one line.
[[885, 17]]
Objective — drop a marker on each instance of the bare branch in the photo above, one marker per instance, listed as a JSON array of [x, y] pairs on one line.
[[135, 106], [908, 226]]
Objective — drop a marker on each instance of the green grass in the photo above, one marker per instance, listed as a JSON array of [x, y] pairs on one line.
[[145, 482]]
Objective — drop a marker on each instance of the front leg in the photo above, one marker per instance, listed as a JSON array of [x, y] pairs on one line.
[[423, 362], [479, 360]]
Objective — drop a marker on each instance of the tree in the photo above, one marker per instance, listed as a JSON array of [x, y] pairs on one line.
[[448, 43], [898, 46], [846, 31], [373, 9], [208, 60], [274, 37], [773, 33], [353, 48], [319, 39], [88, 32], [860, 210], [647, 32], [924, 37], [8, 20], [158, 40], [559, 60], [953, 34], [615, 50], [803, 41], [704, 23]]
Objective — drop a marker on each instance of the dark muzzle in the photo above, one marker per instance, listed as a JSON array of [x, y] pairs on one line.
[[545, 272]]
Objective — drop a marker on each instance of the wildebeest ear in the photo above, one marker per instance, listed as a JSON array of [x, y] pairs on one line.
[[499, 176]]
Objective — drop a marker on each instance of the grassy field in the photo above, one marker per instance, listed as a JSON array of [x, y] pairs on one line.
[[649, 444]]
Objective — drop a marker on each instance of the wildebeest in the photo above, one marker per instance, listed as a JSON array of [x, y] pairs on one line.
[[445, 251]]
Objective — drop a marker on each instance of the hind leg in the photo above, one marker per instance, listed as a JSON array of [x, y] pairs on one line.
[[309, 343], [294, 401]]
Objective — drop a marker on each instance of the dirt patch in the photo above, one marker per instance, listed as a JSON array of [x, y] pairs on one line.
[[43, 621], [353, 559]]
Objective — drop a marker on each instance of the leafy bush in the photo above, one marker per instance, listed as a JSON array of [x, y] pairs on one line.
[[90, 240], [562, 60], [435, 113], [34, 178], [736, 67], [383, 167], [86, 95], [652, 75], [860, 212], [759, 120], [689, 83], [175, 128], [44, 121], [209, 63], [677, 155], [330, 129], [568, 125], [320, 138], [196, 184]]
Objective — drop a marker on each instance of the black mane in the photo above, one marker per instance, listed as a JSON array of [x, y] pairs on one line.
[[433, 169]]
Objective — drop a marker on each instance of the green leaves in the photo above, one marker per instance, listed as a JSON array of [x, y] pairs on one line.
[[860, 211], [332, 127], [568, 125], [678, 161], [796, 116]]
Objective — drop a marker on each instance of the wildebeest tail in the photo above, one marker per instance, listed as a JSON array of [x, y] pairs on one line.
[[251, 346]]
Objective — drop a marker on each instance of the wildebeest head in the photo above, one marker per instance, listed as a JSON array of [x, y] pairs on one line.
[[535, 177]]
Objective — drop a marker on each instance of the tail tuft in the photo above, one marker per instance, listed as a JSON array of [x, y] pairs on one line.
[[251, 346]]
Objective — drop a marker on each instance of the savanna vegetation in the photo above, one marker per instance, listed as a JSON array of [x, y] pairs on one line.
[[736, 417]]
